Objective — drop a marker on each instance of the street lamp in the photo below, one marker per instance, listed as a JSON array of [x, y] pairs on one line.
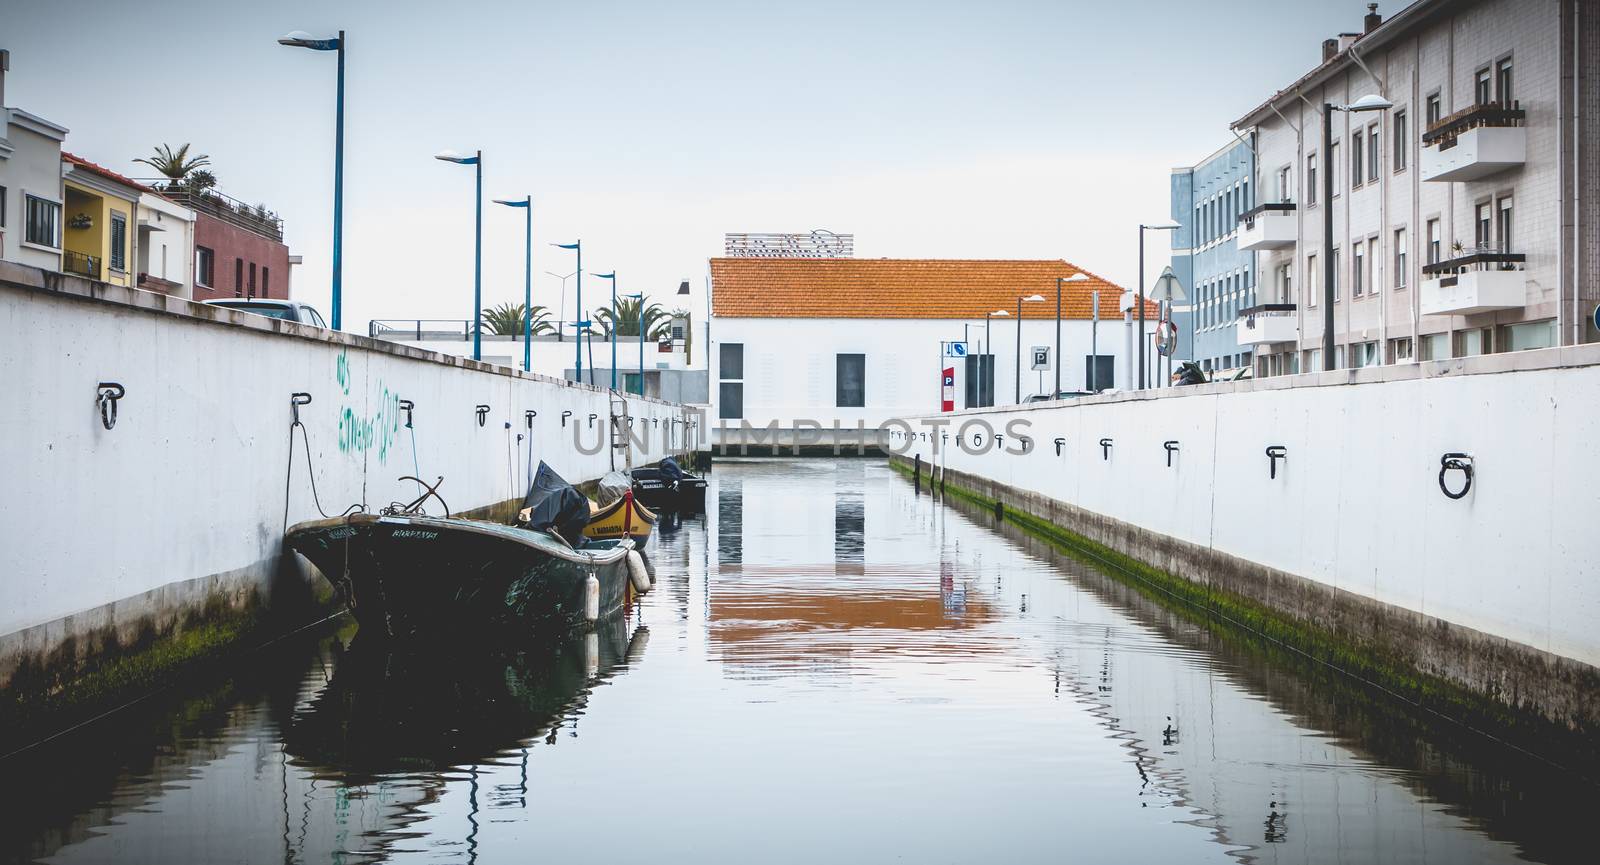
[[561, 321], [580, 324], [302, 39], [988, 350], [612, 324], [476, 161], [527, 288], [1032, 298], [1168, 225], [1370, 102], [1080, 276], [640, 298]]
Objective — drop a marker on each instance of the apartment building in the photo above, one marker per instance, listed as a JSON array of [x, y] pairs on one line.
[[1463, 214], [1209, 200]]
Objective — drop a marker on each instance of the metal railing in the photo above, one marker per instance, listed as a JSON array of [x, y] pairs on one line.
[[1248, 218], [1266, 309], [1445, 130], [253, 218], [1481, 258], [82, 265], [419, 329]]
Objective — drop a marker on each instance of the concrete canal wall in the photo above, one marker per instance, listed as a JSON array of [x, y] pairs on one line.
[[1350, 547], [116, 536]]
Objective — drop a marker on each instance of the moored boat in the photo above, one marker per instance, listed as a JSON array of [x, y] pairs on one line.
[[411, 575], [619, 513], [666, 486]]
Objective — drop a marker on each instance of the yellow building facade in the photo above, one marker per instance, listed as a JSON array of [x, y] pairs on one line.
[[99, 227]]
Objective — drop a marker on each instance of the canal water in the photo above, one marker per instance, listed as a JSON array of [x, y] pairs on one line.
[[832, 668]]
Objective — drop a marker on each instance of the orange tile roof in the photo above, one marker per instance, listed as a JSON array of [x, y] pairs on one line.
[[901, 288], [103, 171]]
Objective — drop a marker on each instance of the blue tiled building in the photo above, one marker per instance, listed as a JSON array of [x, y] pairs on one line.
[[1219, 278]]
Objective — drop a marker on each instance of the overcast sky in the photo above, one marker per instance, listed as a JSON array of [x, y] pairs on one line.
[[927, 129]]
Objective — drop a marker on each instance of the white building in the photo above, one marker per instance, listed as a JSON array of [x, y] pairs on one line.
[[30, 184], [1463, 216], [806, 341], [165, 246]]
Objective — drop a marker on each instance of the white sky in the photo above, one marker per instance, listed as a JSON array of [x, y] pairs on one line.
[[927, 129]]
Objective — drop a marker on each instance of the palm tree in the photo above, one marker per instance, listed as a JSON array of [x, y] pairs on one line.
[[506, 319], [175, 165], [657, 323]]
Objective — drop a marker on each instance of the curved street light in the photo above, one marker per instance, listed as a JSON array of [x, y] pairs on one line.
[[476, 161], [302, 39], [1032, 298], [1080, 276], [527, 288]]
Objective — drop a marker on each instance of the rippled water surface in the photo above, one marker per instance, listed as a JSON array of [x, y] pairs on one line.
[[832, 668]]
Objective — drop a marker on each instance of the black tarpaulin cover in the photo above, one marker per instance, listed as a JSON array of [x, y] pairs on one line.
[[669, 469], [554, 504]]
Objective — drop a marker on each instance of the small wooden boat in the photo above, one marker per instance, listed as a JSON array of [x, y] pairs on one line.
[[625, 517], [666, 486], [410, 575]]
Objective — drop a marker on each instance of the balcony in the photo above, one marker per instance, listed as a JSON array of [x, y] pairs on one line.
[[1267, 323], [1483, 281], [82, 265], [1268, 226], [255, 219], [1481, 141]]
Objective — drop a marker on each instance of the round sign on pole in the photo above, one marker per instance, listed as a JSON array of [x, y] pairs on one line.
[[1597, 317]]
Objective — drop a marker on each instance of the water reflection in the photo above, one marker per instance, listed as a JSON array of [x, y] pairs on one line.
[[840, 670]]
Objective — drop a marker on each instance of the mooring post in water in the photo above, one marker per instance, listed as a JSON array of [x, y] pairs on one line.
[[916, 474], [999, 510]]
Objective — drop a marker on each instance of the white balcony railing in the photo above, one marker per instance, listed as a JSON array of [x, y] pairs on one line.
[[1268, 226], [1479, 282], [1475, 143], [1266, 324]]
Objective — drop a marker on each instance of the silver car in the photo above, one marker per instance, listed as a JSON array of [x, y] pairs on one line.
[[288, 310]]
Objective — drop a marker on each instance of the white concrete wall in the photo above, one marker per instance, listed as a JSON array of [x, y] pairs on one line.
[[1357, 504], [790, 369], [166, 248], [190, 482]]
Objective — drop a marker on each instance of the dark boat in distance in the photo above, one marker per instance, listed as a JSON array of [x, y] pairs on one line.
[[666, 486], [412, 575]]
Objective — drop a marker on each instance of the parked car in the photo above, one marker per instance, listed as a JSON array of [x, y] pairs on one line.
[[288, 310], [1066, 394]]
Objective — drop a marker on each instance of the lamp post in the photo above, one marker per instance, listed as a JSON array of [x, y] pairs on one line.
[[527, 288], [580, 324], [612, 324], [1080, 276], [987, 352], [476, 161], [561, 320], [1032, 298], [302, 39], [1169, 225], [640, 298], [1370, 102]]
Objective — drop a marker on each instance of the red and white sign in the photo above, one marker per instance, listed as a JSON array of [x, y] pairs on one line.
[[949, 379]]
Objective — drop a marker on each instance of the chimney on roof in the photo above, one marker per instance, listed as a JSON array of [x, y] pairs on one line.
[[1330, 48], [1373, 19], [5, 66], [1347, 39]]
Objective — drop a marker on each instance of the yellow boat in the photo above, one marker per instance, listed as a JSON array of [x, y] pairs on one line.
[[623, 517]]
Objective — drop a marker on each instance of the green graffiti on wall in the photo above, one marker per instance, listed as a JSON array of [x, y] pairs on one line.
[[359, 430]]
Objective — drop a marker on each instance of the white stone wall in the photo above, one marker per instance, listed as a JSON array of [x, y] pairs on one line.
[[1356, 505], [190, 483]]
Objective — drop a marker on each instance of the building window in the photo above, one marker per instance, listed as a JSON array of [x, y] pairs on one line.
[[1356, 152], [1311, 179], [1373, 152], [1434, 108], [1482, 87], [1285, 284], [1527, 335], [1285, 190], [730, 369], [252, 292], [851, 381], [1502, 82], [1333, 168], [204, 261], [1503, 234], [1435, 242], [238, 277], [1434, 346], [119, 241], [1474, 341], [44, 222], [1482, 225], [1357, 277], [3, 200], [266, 281], [1363, 354], [1400, 350], [1099, 372], [1335, 262], [1401, 142], [1400, 258], [1312, 279]]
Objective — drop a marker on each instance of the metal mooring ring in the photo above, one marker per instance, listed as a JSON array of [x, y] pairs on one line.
[[483, 414], [1455, 461], [106, 395]]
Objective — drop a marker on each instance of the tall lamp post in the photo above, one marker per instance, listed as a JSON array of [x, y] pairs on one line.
[[302, 39], [988, 351], [1370, 102], [579, 324], [1169, 225], [640, 298], [527, 287], [612, 324], [1032, 298], [476, 161], [1080, 276], [561, 321]]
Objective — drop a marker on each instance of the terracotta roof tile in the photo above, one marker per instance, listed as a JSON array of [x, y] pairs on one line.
[[103, 171], [901, 288]]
